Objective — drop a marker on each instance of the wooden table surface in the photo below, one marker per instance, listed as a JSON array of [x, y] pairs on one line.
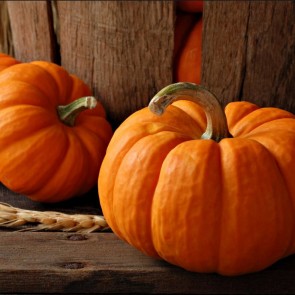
[[57, 262]]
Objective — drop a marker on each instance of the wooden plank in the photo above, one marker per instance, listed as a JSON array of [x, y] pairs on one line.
[[5, 30], [123, 49], [101, 263], [32, 30], [249, 51], [54, 262]]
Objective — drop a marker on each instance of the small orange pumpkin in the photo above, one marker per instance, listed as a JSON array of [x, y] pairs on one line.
[[50, 151], [209, 199]]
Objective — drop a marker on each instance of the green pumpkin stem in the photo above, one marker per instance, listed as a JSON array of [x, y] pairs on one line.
[[217, 128], [69, 112]]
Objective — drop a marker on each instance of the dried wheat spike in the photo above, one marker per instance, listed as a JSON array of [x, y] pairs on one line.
[[11, 217]]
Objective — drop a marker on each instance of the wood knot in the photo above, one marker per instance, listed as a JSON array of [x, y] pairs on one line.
[[77, 237], [73, 265]]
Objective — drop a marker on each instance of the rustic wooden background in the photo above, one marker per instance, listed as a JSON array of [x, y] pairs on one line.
[[124, 49], [249, 51]]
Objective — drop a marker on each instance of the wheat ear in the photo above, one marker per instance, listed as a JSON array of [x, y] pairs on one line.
[[11, 217]]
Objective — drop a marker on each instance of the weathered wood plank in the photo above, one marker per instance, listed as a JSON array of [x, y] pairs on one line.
[[122, 49], [5, 30], [101, 263], [32, 30], [54, 262], [249, 51]]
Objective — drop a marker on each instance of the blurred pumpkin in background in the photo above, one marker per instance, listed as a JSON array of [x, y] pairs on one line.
[[188, 42], [190, 6]]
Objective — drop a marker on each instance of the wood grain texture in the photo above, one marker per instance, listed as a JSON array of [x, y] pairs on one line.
[[101, 263], [122, 49], [55, 262], [6, 45], [32, 30], [249, 51]]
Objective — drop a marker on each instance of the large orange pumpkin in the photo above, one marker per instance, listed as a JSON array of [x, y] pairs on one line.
[[203, 198], [48, 151]]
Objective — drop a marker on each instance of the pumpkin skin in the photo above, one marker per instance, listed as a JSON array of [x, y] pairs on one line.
[[7, 61], [206, 206], [40, 156]]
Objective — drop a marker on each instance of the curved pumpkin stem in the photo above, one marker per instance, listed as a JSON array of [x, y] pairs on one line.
[[69, 112], [217, 128]]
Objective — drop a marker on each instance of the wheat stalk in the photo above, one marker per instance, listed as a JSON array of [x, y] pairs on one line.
[[11, 217]]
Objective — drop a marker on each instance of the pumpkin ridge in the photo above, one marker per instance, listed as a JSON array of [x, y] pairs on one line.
[[115, 176], [83, 147], [76, 84], [54, 197], [171, 112], [43, 176], [33, 132], [189, 108], [170, 128], [147, 132], [153, 149], [235, 111], [268, 114], [7, 61], [283, 177], [178, 233], [47, 87], [62, 80], [11, 101], [263, 220], [99, 132], [287, 251], [114, 221], [90, 147], [274, 127], [221, 230]]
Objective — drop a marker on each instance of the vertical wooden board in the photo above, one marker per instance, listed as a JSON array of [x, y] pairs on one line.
[[32, 30], [224, 31], [5, 30], [249, 51], [122, 49], [271, 43]]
